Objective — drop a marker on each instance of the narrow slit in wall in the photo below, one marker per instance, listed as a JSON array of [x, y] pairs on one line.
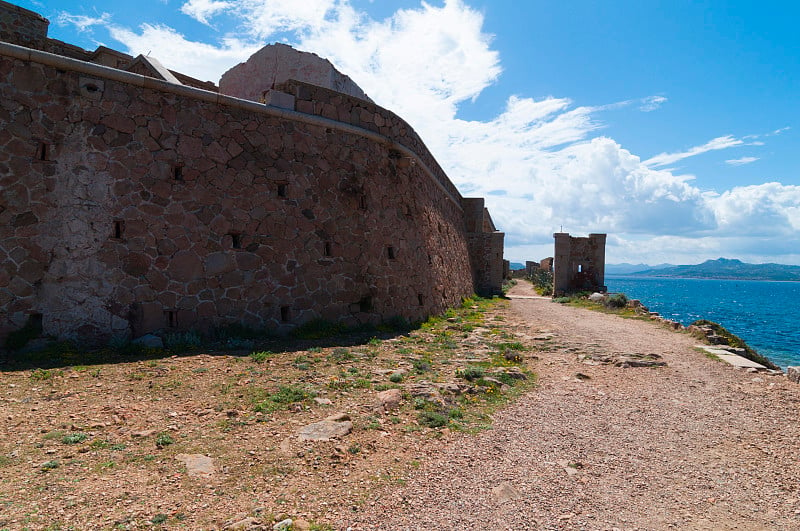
[[171, 316], [286, 314], [365, 304], [177, 172], [328, 249], [362, 202], [236, 240], [421, 299], [390, 253], [282, 189], [42, 151], [119, 229]]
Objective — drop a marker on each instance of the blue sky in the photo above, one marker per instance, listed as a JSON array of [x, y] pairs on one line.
[[672, 126]]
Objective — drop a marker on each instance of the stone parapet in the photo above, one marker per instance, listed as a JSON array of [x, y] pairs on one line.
[[320, 101]]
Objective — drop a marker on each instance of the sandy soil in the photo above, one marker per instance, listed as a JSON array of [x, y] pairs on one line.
[[693, 445]]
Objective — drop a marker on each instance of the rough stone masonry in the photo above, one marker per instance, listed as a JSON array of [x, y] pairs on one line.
[[144, 200]]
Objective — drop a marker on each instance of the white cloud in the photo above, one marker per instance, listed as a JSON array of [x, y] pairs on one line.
[[741, 161], [201, 10], [197, 59], [651, 103], [539, 163], [83, 22], [722, 142]]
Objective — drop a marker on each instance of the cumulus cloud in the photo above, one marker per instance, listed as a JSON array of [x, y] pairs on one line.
[[198, 59], [741, 161], [540, 163]]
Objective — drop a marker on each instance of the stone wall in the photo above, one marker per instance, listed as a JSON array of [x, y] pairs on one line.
[[23, 27], [579, 263], [129, 206]]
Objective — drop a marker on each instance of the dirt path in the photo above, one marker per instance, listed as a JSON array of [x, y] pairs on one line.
[[693, 445]]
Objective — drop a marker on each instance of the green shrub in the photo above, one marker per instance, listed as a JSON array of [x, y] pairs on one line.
[[74, 438], [618, 300], [432, 419], [164, 439], [470, 373], [396, 377], [260, 356]]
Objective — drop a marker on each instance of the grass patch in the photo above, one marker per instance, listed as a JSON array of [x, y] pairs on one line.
[[284, 396], [74, 438]]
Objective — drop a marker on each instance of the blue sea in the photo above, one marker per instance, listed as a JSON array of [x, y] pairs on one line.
[[765, 314]]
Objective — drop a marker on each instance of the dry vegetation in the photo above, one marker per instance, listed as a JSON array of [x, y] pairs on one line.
[[91, 440]]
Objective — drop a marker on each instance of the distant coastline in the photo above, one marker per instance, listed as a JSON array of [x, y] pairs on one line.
[[720, 269]]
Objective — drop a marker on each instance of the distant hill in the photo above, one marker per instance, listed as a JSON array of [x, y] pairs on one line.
[[628, 269], [725, 268]]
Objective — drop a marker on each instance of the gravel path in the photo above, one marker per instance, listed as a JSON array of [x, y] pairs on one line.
[[693, 445]]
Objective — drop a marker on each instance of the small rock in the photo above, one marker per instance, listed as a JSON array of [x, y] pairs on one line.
[[338, 417], [149, 341], [389, 399], [245, 524], [283, 525], [793, 373], [325, 430], [323, 401], [506, 492], [197, 465], [143, 433]]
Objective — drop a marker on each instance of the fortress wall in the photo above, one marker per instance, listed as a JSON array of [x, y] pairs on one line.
[[125, 210], [21, 26], [319, 101]]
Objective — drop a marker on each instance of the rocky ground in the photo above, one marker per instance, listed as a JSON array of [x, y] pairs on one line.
[[215, 439], [245, 438]]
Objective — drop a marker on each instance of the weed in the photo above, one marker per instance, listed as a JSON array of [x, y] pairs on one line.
[[261, 356], [285, 395], [395, 419], [117, 447], [49, 465], [74, 438], [340, 355], [55, 434], [618, 300], [396, 377], [421, 366], [160, 518], [374, 342], [164, 439], [432, 419], [200, 370], [455, 413], [385, 386], [470, 373], [320, 527], [182, 341], [354, 449], [99, 444], [302, 363], [44, 374]]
